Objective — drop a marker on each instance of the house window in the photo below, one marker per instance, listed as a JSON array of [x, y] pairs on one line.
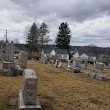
[[16, 52]]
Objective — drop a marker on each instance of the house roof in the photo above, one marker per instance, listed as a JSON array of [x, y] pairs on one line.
[[61, 51], [47, 49], [88, 53]]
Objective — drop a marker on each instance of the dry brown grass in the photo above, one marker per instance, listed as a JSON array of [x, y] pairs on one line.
[[59, 89]]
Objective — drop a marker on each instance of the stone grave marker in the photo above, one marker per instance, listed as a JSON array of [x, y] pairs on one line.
[[68, 65], [28, 99], [99, 67], [76, 62], [23, 57], [101, 77], [56, 63], [59, 65], [92, 75], [75, 68], [86, 73], [8, 63], [83, 66]]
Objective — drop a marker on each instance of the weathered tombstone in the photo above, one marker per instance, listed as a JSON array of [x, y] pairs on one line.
[[50, 62], [56, 63], [59, 65], [23, 56], [92, 75], [83, 66], [101, 77], [8, 63], [76, 66], [99, 67], [68, 65], [76, 62], [86, 73], [94, 64], [45, 61], [75, 69], [28, 99]]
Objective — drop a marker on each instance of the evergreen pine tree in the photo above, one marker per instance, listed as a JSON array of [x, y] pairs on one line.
[[44, 37], [32, 38], [63, 37]]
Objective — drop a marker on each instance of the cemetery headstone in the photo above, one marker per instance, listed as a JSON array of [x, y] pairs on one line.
[[28, 99], [68, 65], [86, 73], [8, 63], [59, 65], [76, 62], [75, 69], [23, 56], [101, 77], [76, 66], [99, 67], [92, 75], [56, 63]]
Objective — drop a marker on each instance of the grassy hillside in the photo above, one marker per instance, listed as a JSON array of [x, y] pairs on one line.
[[59, 89]]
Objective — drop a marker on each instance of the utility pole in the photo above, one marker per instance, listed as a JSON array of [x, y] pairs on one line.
[[6, 37]]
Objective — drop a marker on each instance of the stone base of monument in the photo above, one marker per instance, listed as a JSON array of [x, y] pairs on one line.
[[22, 106], [75, 69], [86, 73], [9, 65], [99, 71], [101, 77], [92, 75]]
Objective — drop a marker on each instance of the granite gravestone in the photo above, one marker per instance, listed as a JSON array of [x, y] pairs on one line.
[[56, 63], [28, 99], [76, 66], [8, 62], [101, 77], [83, 65], [99, 67], [23, 57], [76, 62], [68, 65]]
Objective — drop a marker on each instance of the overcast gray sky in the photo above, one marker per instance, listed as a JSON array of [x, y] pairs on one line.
[[89, 20]]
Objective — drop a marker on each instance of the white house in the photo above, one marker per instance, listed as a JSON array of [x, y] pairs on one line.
[[76, 55], [84, 56], [87, 55], [55, 53]]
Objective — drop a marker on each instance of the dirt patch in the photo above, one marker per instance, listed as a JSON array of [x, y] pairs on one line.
[[95, 101], [47, 103], [13, 102]]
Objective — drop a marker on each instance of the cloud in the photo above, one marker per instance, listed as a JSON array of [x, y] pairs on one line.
[[78, 10], [89, 20]]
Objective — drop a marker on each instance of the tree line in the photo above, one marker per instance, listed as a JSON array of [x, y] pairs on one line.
[[38, 36]]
